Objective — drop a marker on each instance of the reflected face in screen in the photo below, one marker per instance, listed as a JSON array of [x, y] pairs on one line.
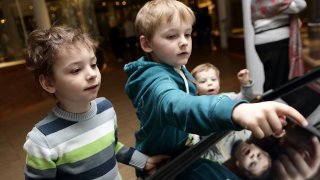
[[252, 160]]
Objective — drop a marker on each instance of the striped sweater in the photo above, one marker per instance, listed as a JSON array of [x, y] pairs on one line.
[[78, 146]]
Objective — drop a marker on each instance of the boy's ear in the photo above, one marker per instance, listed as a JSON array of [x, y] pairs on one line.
[[47, 84], [145, 45]]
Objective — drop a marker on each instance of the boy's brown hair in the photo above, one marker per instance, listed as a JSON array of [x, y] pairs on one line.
[[205, 67], [44, 46], [153, 13]]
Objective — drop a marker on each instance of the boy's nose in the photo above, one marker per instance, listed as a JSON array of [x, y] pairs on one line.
[[183, 41], [91, 74]]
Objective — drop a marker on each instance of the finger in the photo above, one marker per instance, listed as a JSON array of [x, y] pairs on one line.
[[290, 170], [274, 123], [241, 72], [298, 162], [149, 166], [279, 135], [265, 127], [281, 172], [316, 153], [283, 120], [285, 110], [151, 171], [157, 159], [305, 155], [258, 133]]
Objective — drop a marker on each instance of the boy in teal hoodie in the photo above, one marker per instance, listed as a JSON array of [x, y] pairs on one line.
[[165, 99]]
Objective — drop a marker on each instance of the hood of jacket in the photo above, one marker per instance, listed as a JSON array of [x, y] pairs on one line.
[[143, 73]]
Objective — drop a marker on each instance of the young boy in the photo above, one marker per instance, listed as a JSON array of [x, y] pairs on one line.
[[78, 138], [166, 101]]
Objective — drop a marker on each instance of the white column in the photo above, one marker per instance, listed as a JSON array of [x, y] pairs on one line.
[[222, 11], [41, 14], [10, 29], [252, 59]]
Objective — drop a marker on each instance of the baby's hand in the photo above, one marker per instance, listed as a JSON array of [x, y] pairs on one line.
[[243, 76], [265, 118]]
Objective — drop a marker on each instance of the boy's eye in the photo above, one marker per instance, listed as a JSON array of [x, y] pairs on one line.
[[93, 66], [75, 70], [171, 36], [188, 35]]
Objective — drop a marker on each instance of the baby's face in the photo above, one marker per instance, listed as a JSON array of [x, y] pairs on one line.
[[208, 82], [253, 160]]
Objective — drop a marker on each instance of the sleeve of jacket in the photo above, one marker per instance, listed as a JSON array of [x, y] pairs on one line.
[[196, 114], [246, 93]]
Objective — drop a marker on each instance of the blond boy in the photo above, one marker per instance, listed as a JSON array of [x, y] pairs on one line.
[[166, 101]]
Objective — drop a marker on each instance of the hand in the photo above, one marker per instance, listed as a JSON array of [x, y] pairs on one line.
[[243, 77], [265, 118], [297, 166], [155, 162]]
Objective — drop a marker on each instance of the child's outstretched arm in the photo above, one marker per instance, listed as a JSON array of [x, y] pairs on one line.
[[265, 118]]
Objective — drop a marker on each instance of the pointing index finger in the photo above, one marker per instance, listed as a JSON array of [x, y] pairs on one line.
[[292, 114]]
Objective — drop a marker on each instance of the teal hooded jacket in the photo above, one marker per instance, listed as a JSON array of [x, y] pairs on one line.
[[167, 113]]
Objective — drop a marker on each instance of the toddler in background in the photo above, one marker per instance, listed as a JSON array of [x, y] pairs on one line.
[[207, 78], [208, 82]]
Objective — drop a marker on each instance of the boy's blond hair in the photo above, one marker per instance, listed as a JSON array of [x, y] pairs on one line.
[[45, 44], [205, 67], [154, 12]]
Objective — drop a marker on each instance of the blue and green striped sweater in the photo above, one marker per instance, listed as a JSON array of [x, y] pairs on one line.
[[78, 146]]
